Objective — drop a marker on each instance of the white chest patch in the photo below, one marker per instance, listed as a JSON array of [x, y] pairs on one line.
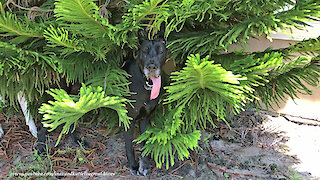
[[148, 86]]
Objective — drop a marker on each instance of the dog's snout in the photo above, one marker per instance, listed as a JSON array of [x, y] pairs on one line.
[[152, 67]]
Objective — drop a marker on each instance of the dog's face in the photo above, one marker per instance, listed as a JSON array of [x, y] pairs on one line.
[[151, 57]]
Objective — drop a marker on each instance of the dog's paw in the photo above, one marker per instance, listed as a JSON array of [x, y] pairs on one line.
[[41, 147], [144, 166], [134, 171], [78, 142]]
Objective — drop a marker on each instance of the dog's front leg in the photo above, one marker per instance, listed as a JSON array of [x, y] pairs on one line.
[[76, 139], [42, 133], [128, 138], [144, 162]]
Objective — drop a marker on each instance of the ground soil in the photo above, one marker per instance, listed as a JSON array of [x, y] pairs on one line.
[[259, 146]]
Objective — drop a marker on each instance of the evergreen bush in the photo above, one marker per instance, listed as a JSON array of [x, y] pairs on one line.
[[87, 41]]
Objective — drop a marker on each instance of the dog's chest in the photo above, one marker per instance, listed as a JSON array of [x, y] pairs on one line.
[[142, 105], [141, 88], [141, 92]]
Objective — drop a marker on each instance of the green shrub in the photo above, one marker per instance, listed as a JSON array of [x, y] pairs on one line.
[[83, 41]]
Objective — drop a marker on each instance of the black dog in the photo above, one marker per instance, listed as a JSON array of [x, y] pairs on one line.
[[145, 80]]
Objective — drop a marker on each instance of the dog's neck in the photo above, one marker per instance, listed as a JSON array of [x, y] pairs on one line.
[[147, 82]]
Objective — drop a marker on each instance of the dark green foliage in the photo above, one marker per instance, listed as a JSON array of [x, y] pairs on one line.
[[82, 41], [21, 30], [35, 70], [80, 17], [239, 25], [310, 46], [287, 79]]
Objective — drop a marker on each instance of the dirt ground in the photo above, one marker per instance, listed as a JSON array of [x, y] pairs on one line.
[[259, 146]]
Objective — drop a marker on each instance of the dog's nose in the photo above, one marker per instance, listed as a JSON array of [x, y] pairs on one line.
[[152, 67]]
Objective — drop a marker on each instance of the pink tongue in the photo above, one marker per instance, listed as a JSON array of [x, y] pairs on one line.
[[156, 87]]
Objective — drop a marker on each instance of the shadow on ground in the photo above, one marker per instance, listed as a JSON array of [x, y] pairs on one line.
[[252, 149]]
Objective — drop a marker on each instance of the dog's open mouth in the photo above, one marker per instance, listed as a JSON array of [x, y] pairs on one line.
[[156, 81]]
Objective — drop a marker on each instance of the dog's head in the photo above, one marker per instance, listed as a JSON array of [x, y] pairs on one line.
[[151, 57]]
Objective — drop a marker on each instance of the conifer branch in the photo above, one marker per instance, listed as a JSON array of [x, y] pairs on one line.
[[287, 79], [65, 111], [11, 26], [82, 46], [213, 93], [81, 16]]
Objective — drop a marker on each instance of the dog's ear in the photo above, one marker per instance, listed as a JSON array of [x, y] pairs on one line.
[[164, 41], [142, 35], [160, 37]]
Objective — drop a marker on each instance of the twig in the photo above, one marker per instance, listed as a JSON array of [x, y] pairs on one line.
[[284, 114], [8, 131], [171, 172], [7, 145], [24, 149], [61, 159], [225, 170], [153, 170], [38, 9], [209, 166], [301, 123], [196, 161], [215, 167], [176, 176]]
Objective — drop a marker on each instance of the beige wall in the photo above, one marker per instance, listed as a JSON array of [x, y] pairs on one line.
[[306, 105]]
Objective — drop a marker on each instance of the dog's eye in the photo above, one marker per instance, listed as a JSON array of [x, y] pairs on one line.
[[160, 50], [146, 49]]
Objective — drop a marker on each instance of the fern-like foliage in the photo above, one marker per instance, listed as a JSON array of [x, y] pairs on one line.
[[114, 80], [84, 42], [255, 70], [67, 110], [149, 14], [59, 38], [89, 23], [164, 153], [10, 26], [306, 47], [27, 71], [204, 89], [167, 139], [211, 40], [194, 12], [81, 16], [288, 79]]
